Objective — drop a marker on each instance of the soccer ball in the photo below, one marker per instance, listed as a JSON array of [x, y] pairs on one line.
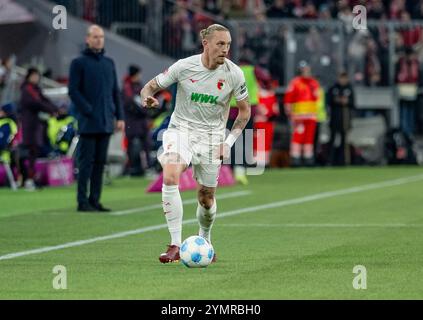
[[196, 252]]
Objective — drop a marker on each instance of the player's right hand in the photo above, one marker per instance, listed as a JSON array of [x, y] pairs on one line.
[[150, 102]]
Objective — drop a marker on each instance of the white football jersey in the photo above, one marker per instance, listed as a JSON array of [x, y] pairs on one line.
[[203, 95]]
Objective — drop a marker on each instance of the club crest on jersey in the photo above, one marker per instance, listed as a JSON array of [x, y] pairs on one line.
[[221, 84]]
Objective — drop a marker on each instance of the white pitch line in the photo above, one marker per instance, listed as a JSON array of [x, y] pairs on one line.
[[318, 196], [323, 225], [325, 195], [189, 201]]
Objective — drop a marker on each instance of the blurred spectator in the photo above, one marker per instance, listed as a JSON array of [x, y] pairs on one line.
[[188, 41], [171, 27], [298, 8], [339, 6], [340, 103], [410, 35], [310, 11], [277, 56], [396, 8], [375, 9], [356, 55], [315, 46], [31, 104], [418, 49], [266, 111], [320, 152], [213, 7], [373, 75], [280, 9], [407, 76], [110, 11], [324, 12], [399, 43], [2, 74], [254, 8], [233, 9], [8, 131], [399, 147], [5, 69], [258, 43], [184, 37], [301, 101], [320, 51], [240, 159], [61, 130], [136, 129], [200, 19], [160, 121], [279, 155], [345, 14], [417, 12], [381, 36]]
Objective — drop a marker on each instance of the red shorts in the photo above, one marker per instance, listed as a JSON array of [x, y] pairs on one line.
[[304, 131]]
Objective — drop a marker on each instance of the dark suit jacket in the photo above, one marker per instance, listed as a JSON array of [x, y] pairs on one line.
[[94, 92], [340, 116]]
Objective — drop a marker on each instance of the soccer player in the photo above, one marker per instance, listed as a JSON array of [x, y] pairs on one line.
[[196, 133]]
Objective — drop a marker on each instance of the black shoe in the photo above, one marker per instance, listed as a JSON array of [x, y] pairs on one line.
[[86, 207], [99, 207]]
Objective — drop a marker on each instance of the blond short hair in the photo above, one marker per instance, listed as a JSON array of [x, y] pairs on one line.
[[206, 33]]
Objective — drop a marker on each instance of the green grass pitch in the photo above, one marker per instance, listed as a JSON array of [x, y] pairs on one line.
[[268, 245]]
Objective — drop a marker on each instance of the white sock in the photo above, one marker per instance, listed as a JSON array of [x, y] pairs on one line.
[[205, 220], [172, 208]]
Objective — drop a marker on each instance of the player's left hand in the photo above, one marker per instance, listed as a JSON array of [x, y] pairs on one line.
[[120, 125], [223, 151]]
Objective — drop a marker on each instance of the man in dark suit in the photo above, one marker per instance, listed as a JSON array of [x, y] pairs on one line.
[[137, 123], [94, 92], [341, 105]]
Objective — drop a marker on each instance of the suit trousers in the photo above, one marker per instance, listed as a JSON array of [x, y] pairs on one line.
[[91, 158]]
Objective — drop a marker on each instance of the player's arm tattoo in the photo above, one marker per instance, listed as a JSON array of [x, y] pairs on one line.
[[242, 118], [150, 89]]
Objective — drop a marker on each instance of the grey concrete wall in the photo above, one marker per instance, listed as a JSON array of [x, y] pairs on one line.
[[59, 47]]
